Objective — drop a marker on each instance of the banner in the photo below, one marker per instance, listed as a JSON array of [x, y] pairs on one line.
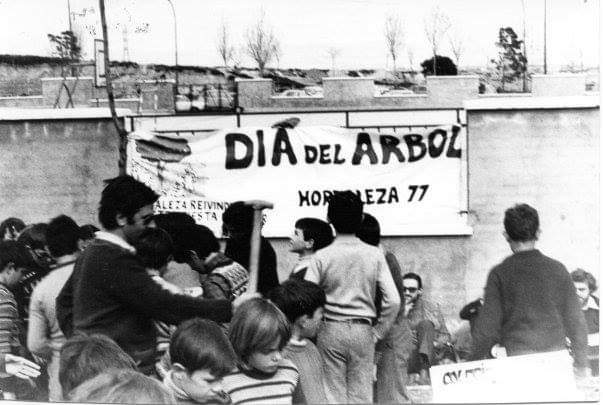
[[414, 183], [543, 377]]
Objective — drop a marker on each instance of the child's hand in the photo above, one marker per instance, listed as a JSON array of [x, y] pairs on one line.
[[244, 297], [21, 367]]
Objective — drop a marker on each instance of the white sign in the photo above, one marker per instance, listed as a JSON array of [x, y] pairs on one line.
[[99, 63], [413, 183], [542, 377]]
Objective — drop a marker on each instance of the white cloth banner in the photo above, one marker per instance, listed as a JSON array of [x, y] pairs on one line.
[[413, 183]]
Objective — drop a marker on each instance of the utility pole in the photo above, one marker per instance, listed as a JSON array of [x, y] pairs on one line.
[[525, 51], [545, 70], [175, 42], [69, 14]]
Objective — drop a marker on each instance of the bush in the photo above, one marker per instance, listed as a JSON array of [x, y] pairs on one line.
[[444, 66]]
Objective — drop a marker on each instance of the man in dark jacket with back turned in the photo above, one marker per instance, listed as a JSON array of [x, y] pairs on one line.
[[110, 291], [530, 304]]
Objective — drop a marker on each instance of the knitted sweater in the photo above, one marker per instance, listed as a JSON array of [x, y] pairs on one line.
[[306, 357], [111, 293], [530, 306], [251, 386]]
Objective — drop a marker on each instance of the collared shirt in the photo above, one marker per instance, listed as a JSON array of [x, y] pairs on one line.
[[590, 304], [111, 237]]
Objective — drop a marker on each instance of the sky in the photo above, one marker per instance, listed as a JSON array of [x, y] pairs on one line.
[[307, 29]]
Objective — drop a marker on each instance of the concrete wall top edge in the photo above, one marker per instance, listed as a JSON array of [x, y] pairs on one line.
[[20, 97], [49, 79], [452, 77], [532, 103], [20, 114], [238, 79], [369, 79]]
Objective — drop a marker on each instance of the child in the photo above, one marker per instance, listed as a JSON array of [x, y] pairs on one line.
[[310, 235], [258, 333], [200, 356], [302, 303]]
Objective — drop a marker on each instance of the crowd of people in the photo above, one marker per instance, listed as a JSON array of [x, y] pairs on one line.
[[150, 309]]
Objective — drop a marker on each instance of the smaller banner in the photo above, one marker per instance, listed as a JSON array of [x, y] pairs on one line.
[[542, 377]]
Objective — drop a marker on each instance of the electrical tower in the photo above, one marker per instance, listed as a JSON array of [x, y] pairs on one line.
[[126, 50]]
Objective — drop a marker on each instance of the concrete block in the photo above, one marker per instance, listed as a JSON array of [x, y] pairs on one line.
[[347, 91], [254, 93], [567, 84]]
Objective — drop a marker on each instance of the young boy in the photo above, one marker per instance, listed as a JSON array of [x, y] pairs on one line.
[[302, 303], [310, 234], [351, 272], [200, 356]]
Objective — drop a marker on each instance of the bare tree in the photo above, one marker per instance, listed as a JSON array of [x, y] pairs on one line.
[[261, 43], [225, 47], [437, 24], [457, 45], [333, 54], [393, 36]]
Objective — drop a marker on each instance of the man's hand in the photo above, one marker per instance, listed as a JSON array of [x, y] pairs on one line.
[[244, 297], [21, 367]]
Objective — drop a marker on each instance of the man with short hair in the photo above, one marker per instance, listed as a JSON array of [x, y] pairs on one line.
[[44, 336], [110, 291], [530, 303], [427, 326], [350, 272]]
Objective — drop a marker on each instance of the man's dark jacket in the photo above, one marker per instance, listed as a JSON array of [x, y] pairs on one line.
[[110, 292], [530, 306]]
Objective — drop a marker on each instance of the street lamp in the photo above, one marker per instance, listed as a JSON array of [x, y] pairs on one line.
[[175, 41]]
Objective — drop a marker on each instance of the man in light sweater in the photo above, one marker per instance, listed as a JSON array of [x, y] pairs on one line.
[[351, 272]]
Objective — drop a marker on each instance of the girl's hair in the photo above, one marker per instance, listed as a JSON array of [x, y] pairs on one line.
[[200, 344], [116, 386], [257, 324]]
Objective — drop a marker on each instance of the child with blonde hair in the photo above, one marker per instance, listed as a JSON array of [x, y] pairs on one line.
[[258, 332]]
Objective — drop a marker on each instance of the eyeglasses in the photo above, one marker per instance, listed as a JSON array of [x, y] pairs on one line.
[[410, 289]]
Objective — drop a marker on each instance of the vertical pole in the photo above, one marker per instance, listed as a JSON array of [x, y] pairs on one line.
[[175, 43], [545, 69]]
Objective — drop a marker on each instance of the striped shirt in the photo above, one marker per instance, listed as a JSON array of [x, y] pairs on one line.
[[9, 322], [253, 387]]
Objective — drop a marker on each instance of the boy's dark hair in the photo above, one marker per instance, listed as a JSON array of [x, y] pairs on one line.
[[17, 253], [583, 276], [297, 297], [123, 195], [154, 248], [200, 344], [197, 238], [414, 276], [238, 218], [115, 386], [172, 221], [345, 211], [11, 223], [256, 325], [83, 357], [370, 231], [62, 235], [521, 223], [317, 230], [87, 231], [34, 236]]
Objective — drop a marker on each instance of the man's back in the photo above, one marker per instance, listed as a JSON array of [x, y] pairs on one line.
[[348, 270], [530, 306]]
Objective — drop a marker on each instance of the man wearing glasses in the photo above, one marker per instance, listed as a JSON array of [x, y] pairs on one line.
[[427, 325]]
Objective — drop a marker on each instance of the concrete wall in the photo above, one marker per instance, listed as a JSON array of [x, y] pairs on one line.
[[81, 90], [55, 166], [256, 95]]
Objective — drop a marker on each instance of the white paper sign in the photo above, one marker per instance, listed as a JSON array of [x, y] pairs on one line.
[[413, 183], [540, 377]]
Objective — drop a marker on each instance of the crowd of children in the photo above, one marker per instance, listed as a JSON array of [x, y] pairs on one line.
[[333, 332]]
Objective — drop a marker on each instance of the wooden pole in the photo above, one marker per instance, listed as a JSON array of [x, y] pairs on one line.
[[122, 133]]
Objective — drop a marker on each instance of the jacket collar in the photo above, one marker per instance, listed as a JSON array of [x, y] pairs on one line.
[[116, 240]]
